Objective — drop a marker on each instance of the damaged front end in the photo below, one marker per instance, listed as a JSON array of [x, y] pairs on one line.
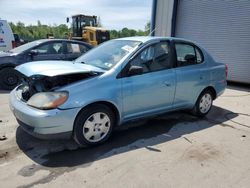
[[40, 83]]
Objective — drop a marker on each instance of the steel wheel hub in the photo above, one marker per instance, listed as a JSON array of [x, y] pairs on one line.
[[205, 103], [96, 127]]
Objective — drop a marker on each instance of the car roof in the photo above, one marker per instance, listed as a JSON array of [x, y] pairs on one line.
[[61, 40], [152, 38]]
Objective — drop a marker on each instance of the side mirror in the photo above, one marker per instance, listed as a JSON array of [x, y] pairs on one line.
[[190, 58], [135, 70], [33, 52], [67, 19]]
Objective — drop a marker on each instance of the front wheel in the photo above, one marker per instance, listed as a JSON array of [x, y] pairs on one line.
[[203, 104], [93, 125], [9, 78]]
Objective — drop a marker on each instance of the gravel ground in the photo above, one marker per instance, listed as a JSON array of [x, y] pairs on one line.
[[173, 150]]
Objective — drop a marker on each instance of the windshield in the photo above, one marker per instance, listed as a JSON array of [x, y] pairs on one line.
[[108, 54], [24, 47]]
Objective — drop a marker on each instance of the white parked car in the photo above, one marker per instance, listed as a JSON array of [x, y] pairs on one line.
[[7, 41]]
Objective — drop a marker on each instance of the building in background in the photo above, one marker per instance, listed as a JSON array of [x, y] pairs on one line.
[[222, 27]]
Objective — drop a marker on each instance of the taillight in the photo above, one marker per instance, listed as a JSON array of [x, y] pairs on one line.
[[13, 44], [226, 70]]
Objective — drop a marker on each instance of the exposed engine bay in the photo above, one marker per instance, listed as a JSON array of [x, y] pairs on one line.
[[40, 83]]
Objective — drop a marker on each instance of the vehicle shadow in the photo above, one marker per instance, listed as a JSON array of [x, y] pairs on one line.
[[132, 136]]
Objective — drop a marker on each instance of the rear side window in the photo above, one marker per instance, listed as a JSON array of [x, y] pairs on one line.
[[199, 57], [73, 48], [187, 54]]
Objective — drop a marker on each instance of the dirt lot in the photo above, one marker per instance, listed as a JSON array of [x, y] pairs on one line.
[[174, 150]]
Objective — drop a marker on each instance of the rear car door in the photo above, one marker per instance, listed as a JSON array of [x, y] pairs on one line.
[[153, 90], [189, 77], [49, 51]]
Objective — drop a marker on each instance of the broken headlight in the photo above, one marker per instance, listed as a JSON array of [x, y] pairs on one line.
[[48, 100]]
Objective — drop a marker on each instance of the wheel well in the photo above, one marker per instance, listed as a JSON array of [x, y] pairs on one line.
[[6, 66], [108, 104], [210, 88]]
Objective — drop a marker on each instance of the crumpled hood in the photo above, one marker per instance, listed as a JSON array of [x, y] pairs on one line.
[[55, 68]]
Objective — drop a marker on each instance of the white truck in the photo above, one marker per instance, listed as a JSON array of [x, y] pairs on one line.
[[7, 41]]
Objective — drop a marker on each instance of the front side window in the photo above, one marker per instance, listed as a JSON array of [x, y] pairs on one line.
[[187, 54], [51, 48], [153, 58]]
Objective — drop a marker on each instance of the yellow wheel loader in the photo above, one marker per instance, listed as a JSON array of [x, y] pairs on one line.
[[85, 28]]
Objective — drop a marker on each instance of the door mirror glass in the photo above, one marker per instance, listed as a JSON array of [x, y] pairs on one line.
[[135, 70]]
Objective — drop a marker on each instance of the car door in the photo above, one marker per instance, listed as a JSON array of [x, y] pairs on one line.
[[189, 77], [75, 50], [48, 51], [153, 90]]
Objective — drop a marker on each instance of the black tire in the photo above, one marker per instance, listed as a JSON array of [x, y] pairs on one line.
[[9, 78], [198, 110], [84, 116]]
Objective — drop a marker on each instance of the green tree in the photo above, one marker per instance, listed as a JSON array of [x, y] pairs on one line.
[[147, 28], [39, 31], [113, 34]]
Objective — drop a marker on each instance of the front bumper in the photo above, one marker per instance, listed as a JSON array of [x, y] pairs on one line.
[[55, 123]]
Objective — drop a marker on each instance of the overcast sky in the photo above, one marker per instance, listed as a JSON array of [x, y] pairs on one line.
[[115, 14]]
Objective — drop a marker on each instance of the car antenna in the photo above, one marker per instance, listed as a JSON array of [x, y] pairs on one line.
[[151, 32]]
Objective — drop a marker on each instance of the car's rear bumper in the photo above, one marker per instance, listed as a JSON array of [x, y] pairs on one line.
[[43, 123]]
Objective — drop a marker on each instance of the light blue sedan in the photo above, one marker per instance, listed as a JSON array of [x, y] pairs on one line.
[[116, 82]]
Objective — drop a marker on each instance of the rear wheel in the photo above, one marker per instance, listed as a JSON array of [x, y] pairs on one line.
[[93, 125], [9, 78], [203, 104]]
